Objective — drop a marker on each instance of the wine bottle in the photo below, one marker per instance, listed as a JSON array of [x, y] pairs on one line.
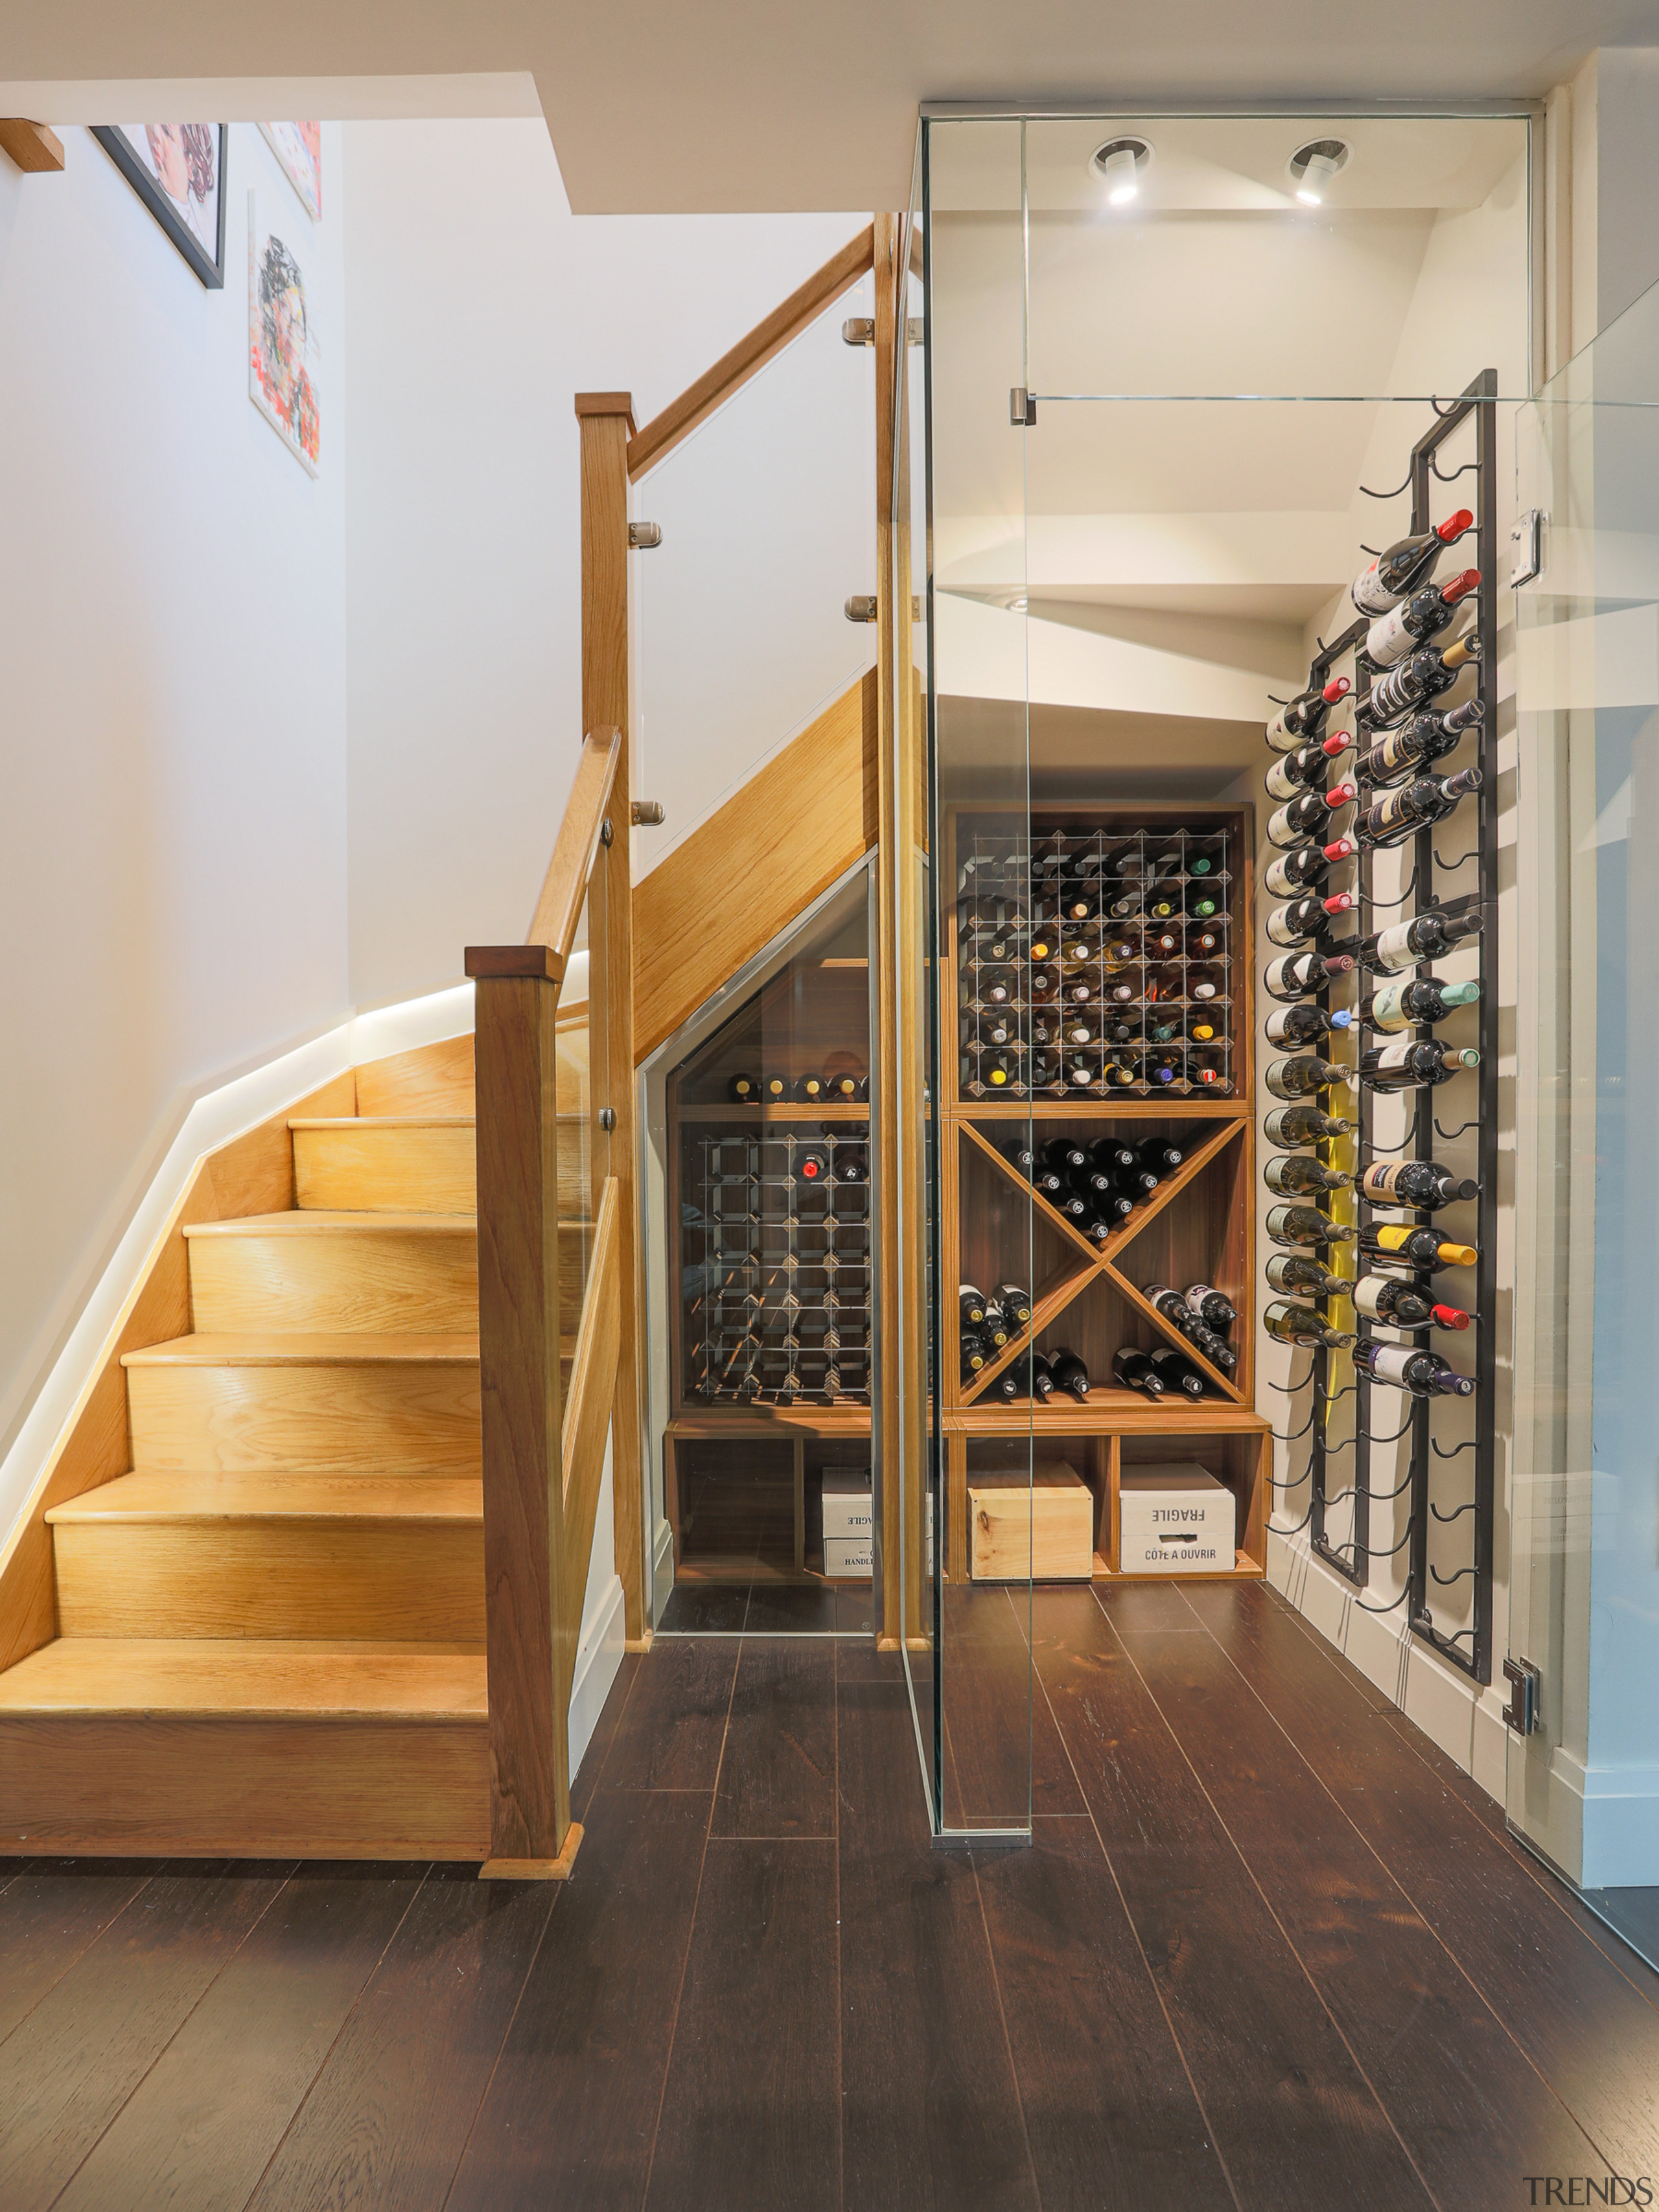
[[1305, 1224], [1031, 1377], [1176, 1372], [997, 1330], [1294, 1271], [976, 1352], [1303, 1125], [842, 1085], [1203, 940], [1014, 1303], [1292, 1175], [1304, 716], [995, 987], [1416, 1248], [992, 1029], [992, 1070], [1302, 1078], [1414, 806], [1298, 817], [1424, 1374], [1427, 938], [1291, 873], [1059, 1155], [1158, 1156], [1082, 1074], [1203, 982], [1119, 1073], [970, 1304], [746, 1088], [1162, 1068], [1068, 1373], [1203, 1025], [852, 1164], [1113, 1207], [812, 1164], [1040, 1177], [1391, 1298], [1301, 919], [1425, 614], [1133, 1371], [1158, 942], [1207, 859], [1397, 1005], [774, 1089], [1408, 1066], [1295, 1324], [1427, 737], [1394, 574], [1298, 974], [1044, 983], [1303, 1023], [1207, 1071], [1293, 772], [1422, 1183], [1168, 1302], [1431, 671], [1007, 1385], [1214, 1308], [1202, 901]]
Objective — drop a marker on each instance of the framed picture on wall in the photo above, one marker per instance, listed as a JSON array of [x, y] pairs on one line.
[[299, 148], [285, 350], [178, 170]]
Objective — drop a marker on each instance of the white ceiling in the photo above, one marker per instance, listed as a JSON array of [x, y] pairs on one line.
[[733, 106]]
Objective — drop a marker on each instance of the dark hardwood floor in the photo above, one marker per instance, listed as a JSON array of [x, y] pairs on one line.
[[1268, 1950]]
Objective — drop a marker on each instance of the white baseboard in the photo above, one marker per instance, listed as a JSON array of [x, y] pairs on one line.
[[1463, 1719], [598, 1660]]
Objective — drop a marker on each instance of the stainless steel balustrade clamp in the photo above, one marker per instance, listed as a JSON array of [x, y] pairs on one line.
[[859, 330], [861, 607], [647, 813], [1022, 407], [645, 536]]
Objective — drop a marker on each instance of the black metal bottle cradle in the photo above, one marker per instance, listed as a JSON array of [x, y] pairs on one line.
[[1433, 1467]]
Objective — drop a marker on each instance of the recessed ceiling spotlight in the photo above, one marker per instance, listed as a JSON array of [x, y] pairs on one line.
[[1119, 162], [1313, 166]]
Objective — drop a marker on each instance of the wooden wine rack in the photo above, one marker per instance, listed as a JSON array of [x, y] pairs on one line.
[[1199, 1224]]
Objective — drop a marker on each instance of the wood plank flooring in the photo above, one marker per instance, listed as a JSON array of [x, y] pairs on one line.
[[1267, 1951]]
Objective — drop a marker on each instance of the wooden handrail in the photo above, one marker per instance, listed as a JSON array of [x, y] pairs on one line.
[[750, 354], [564, 887]]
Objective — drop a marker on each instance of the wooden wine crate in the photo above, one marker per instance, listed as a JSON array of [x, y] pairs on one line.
[[1040, 1531]]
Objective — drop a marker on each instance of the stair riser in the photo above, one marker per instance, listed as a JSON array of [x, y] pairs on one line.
[[387, 1170], [256, 1578], [230, 1787], [346, 1280], [408, 1415]]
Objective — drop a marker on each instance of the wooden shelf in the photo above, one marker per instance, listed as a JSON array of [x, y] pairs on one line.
[[754, 1420], [751, 1117]]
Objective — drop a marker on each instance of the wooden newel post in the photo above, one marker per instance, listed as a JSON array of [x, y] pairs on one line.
[[531, 1634]]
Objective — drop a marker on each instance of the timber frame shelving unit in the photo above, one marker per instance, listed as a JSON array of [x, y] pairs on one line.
[[1199, 1224]]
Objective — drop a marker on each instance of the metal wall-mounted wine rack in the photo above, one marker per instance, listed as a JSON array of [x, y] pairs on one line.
[[1450, 1478]]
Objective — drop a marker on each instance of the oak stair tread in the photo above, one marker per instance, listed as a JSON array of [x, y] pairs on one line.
[[317, 1221], [208, 1678], [275, 1495], [383, 1121], [363, 1347]]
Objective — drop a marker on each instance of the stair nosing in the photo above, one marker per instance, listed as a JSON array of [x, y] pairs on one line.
[[318, 1221], [307, 1348]]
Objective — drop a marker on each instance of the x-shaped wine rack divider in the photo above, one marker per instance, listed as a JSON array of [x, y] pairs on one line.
[[1101, 1258]]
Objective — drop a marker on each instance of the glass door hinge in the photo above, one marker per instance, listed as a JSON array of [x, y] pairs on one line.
[[1022, 407], [1522, 1711], [1527, 547]]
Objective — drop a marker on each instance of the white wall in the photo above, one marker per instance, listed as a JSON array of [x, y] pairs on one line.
[[477, 306], [172, 642]]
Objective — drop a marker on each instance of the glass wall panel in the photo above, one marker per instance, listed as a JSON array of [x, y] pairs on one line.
[[993, 1267], [1584, 1785]]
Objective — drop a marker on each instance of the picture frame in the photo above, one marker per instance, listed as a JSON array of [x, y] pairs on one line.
[[178, 170], [284, 347], [299, 150]]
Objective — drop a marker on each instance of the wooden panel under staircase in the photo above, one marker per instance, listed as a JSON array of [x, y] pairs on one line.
[[267, 1630]]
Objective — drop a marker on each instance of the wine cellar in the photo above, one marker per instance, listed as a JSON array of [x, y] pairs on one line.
[[1123, 1031]]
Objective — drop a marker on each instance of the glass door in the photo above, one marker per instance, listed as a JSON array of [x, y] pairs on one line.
[[1582, 1783]]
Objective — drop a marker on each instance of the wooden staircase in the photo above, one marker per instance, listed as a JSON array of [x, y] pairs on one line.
[[270, 1631]]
